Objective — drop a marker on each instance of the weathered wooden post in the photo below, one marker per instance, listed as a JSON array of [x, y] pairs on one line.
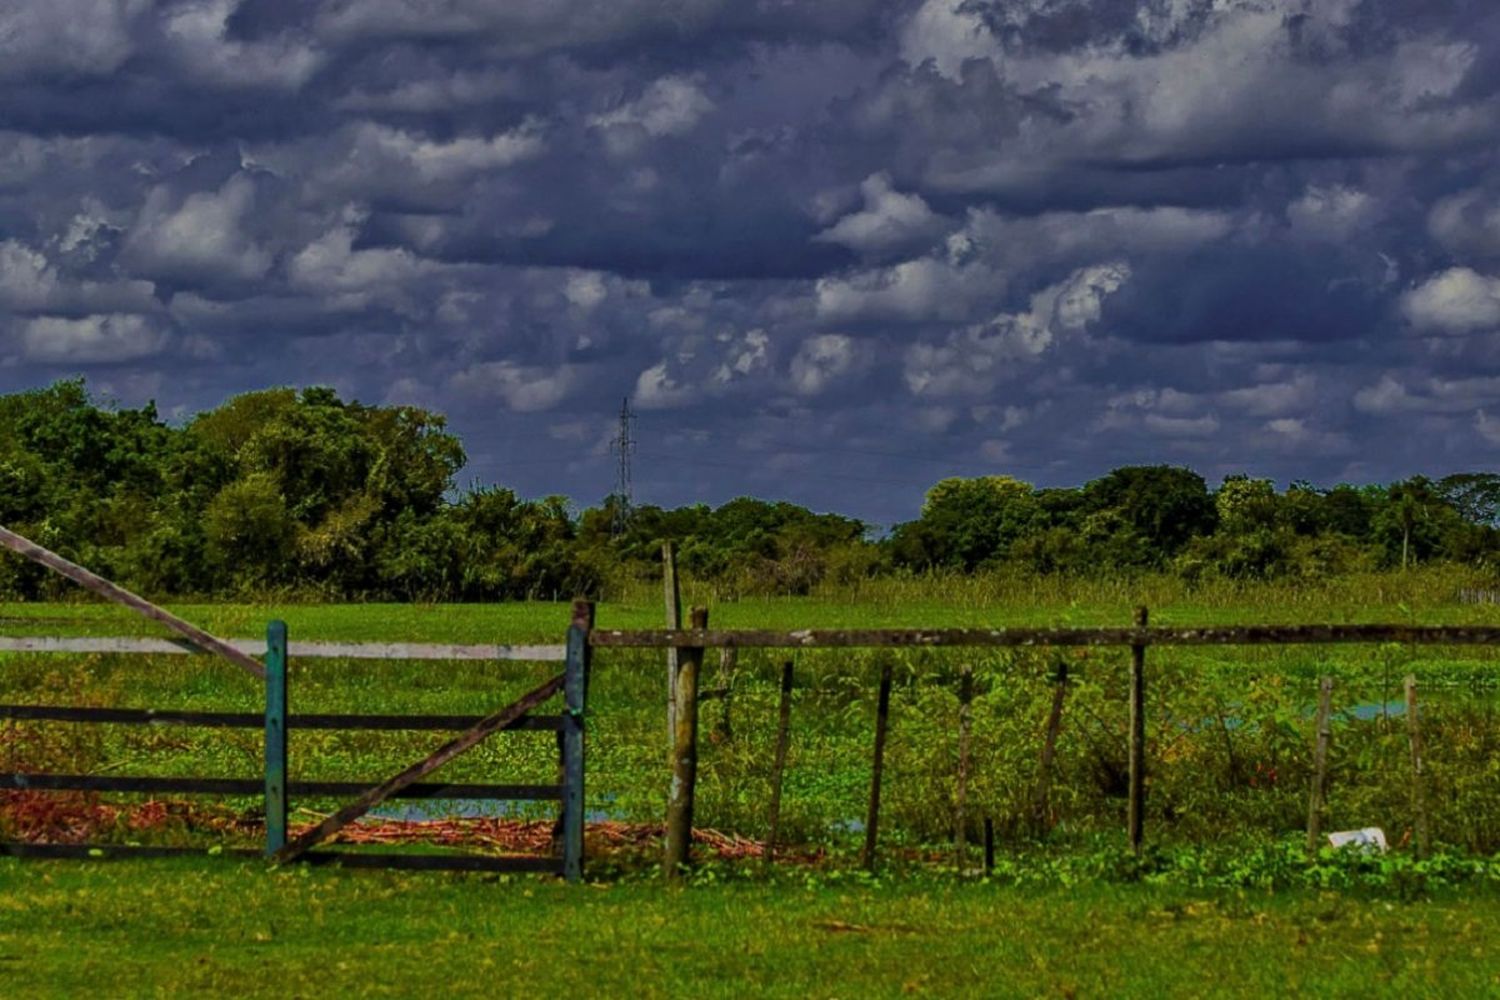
[[276, 737], [728, 664], [778, 764], [1137, 811], [674, 622], [1418, 789], [575, 700], [1042, 805], [679, 839], [1323, 734], [961, 803], [882, 717]]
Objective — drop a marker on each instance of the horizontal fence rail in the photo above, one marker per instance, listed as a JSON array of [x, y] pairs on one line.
[[1213, 635], [246, 786], [255, 720], [343, 859], [306, 650]]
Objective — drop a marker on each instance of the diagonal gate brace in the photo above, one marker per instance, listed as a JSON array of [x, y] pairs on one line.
[[466, 740], [96, 584]]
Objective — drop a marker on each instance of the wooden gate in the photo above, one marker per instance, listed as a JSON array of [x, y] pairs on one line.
[[277, 723]]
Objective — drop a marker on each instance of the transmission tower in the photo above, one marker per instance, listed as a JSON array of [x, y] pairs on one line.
[[623, 445]]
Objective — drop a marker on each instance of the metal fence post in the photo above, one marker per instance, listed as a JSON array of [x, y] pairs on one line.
[[276, 740], [575, 695]]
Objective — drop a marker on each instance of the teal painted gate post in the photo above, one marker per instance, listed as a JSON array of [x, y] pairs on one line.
[[575, 694], [275, 737]]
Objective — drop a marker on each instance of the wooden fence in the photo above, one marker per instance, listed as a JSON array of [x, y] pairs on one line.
[[691, 643], [576, 654]]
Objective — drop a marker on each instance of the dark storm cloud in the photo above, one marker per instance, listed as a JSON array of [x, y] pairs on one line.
[[831, 250]]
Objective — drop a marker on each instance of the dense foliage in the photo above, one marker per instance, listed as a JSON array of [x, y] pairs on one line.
[[287, 490]]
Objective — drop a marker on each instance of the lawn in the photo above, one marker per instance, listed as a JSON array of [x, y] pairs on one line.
[[1228, 744], [191, 926]]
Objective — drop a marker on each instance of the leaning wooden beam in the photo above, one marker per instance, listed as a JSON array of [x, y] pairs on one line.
[[1458, 635], [296, 650], [467, 740], [98, 585]]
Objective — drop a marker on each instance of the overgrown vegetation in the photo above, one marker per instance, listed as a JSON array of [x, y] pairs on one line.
[[299, 492]]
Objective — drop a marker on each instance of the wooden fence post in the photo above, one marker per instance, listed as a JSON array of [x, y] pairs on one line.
[[1042, 805], [575, 699], [1137, 810], [1323, 734], [728, 664], [961, 804], [1418, 780], [276, 737], [679, 839], [882, 717], [674, 621], [778, 765]]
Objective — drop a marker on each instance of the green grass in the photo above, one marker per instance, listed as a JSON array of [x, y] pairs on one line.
[[185, 926], [196, 927], [1425, 596]]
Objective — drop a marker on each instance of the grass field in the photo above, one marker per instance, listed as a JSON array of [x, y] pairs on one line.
[[1228, 748], [170, 928]]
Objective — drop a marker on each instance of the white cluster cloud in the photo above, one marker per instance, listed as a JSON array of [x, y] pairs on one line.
[[67, 38], [970, 361], [889, 221], [524, 388], [201, 236], [198, 31], [821, 360], [1459, 300], [106, 339]]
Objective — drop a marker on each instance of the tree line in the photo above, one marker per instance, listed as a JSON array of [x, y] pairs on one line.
[[299, 491]]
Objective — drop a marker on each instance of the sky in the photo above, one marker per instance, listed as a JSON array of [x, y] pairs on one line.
[[831, 251]]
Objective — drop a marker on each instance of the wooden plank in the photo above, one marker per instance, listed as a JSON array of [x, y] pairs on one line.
[[575, 695], [298, 650], [1418, 772], [112, 592], [427, 651], [1458, 635], [391, 786], [778, 764], [877, 766], [343, 859], [1323, 735], [1136, 813], [678, 842], [250, 720], [47, 781], [276, 737]]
